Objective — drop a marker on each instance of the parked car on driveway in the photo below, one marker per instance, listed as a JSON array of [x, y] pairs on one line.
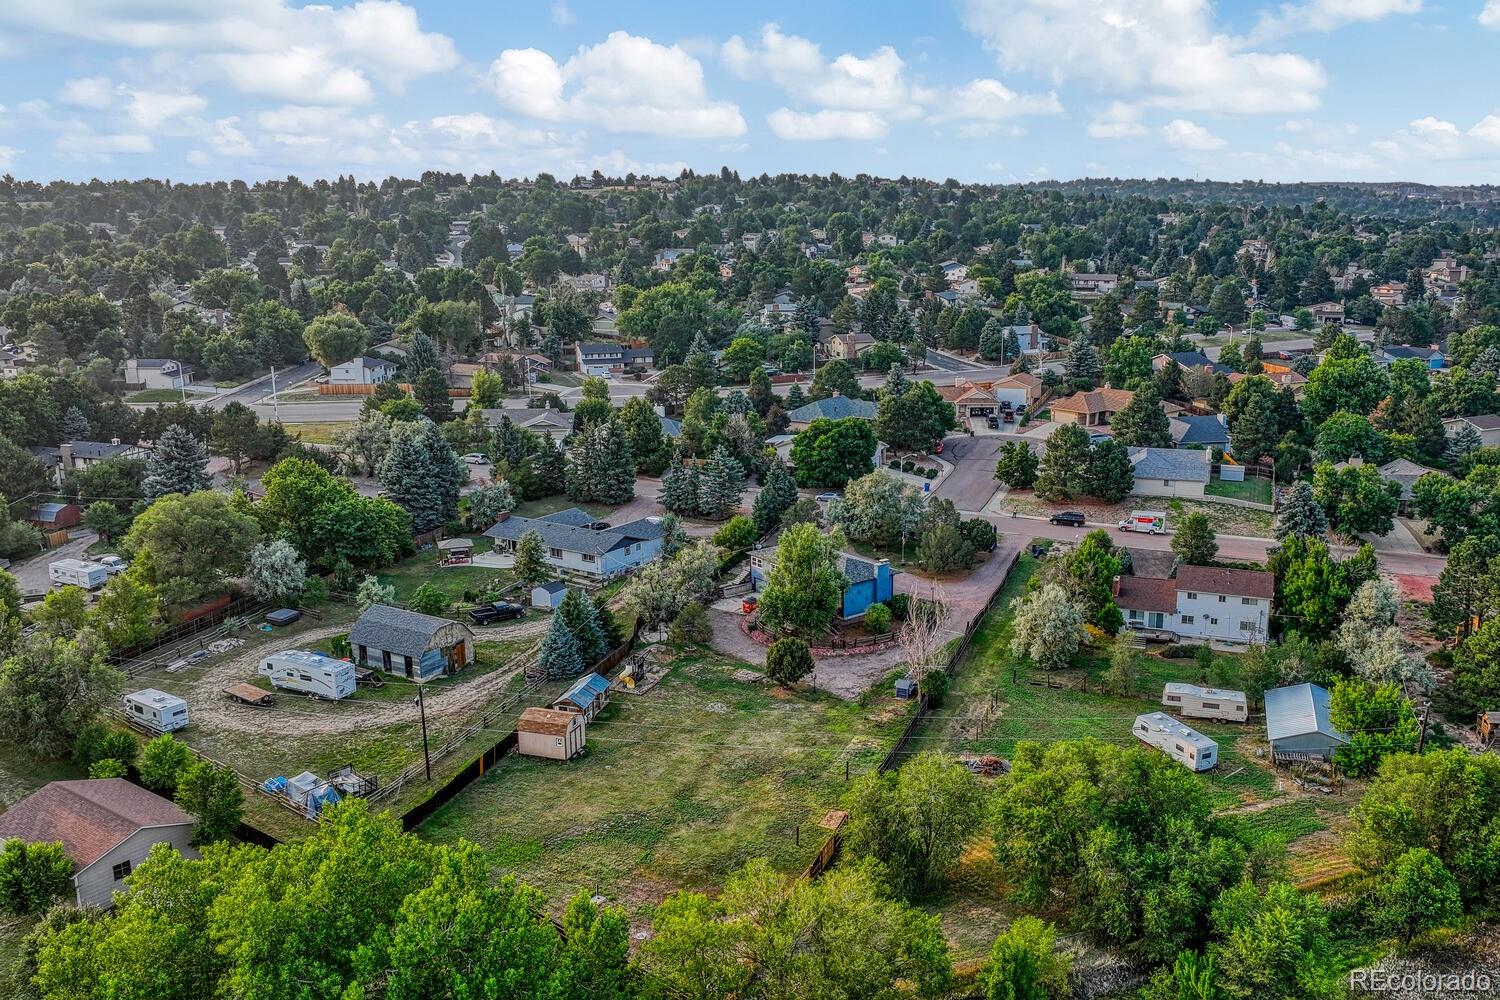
[[828, 497], [498, 611], [1071, 518], [474, 458], [114, 564]]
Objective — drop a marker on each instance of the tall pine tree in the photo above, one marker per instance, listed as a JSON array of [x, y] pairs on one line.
[[577, 612], [777, 493], [600, 468], [422, 474], [559, 655], [719, 485], [679, 487], [178, 464]]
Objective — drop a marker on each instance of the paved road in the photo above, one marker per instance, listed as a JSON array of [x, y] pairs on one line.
[[31, 575], [260, 390], [949, 362], [972, 481]]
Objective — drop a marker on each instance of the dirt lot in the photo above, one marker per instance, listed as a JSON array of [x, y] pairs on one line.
[[844, 676]]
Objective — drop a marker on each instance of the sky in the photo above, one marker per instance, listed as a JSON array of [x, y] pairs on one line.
[[993, 91]]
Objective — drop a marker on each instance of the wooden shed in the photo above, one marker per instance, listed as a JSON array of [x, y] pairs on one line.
[[1489, 727], [546, 732]]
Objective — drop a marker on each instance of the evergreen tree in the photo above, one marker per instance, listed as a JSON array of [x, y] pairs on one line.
[[719, 485], [431, 391], [1167, 381], [302, 300], [1300, 514], [530, 567], [578, 613], [549, 468], [178, 464], [1462, 444], [795, 397], [559, 655], [777, 493], [1143, 423], [1110, 475], [600, 468], [679, 487], [896, 381], [1063, 473], [1081, 365], [422, 474], [75, 426], [421, 356]]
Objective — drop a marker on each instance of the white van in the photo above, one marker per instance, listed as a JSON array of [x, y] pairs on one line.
[[156, 710], [309, 673]]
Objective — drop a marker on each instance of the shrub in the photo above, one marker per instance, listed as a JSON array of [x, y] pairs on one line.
[[737, 534], [315, 593], [32, 876], [107, 768], [429, 600], [894, 463], [691, 624], [935, 687], [980, 533], [930, 473], [908, 465], [788, 661], [339, 645], [899, 604], [161, 762], [878, 618], [99, 742]]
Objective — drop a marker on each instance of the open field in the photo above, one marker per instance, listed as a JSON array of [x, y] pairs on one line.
[[378, 731], [679, 786]]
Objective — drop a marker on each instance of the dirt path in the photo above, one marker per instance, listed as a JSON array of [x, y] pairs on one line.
[[322, 718]]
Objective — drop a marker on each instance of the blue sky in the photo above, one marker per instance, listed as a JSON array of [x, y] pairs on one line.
[[981, 90]]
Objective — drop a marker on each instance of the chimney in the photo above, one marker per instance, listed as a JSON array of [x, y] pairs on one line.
[[65, 455], [1355, 461], [504, 516], [114, 440], [1114, 587]]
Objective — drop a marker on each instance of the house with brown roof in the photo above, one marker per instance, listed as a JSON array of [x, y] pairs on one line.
[[1020, 389], [1204, 603], [1093, 408], [106, 826], [968, 398]]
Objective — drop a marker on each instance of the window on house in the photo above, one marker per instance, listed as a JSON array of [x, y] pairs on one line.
[[555, 553], [1136, 616], [1247, 626], [1222, 598], [1166, 482], [588, 558], [1187, 619], [1213, 621], [1247, 600], [1192, 596], [121, 870]]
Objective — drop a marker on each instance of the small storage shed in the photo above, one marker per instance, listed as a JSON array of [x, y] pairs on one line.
[[1489, 727], [156, 711], [1297, 724], [1196, 702], [906, 688], [549, 595], [409, 644], [546, 732], [1181, 742], [587, 696], [56, 516]]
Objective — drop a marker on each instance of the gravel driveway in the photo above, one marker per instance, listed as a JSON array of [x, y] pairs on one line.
[[31, 575]]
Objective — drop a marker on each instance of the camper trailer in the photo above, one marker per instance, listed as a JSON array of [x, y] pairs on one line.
[[1185, 745], [309, 673], [1194, 702], [77, 573], [156, 711]]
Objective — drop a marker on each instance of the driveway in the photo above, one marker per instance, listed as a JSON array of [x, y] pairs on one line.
[[31, 575], [966, 595], [972, 481]]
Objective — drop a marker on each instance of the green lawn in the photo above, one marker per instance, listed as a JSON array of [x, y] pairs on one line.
[[1253, 488], [156, 396], [409, 574], [678, 787], [320, 432]]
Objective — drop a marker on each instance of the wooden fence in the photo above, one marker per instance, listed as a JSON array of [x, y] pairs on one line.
[[828, 853]]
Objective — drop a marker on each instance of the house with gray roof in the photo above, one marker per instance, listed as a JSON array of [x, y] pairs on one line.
[[836, 407], [1170, 472], [157, 373], [73, 456], [1191, 431], [410, 644], [1298, 725], [571, 543]]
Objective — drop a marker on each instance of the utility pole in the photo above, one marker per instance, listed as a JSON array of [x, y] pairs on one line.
[[275, 405], [422, 709], [1422, 736]]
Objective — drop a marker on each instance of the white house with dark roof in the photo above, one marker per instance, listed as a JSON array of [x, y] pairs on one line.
[[157, 373], [1487, 425], [106, 827], [362, 370], [1200, 602], [75, 456], [571, 544]]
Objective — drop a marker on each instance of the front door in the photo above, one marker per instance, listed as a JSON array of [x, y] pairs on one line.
[[385, 660], [457, 661]]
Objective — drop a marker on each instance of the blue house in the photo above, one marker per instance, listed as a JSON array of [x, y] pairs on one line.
[[868, 581], [1430, 356], [573, 542]]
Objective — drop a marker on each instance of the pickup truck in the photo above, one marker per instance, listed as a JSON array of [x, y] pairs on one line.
[[499, 611]]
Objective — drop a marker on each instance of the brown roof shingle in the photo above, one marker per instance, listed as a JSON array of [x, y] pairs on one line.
[[1144, 593], [1231, 582], [1104, 400], [547, 721], [90, 817]]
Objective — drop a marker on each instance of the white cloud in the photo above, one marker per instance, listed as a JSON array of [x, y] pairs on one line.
[[227, 139], [1434, 126], [8, 156], [151, 110], [626, 83], [298, 125], [1327, 15], [1118, 121], [1490, 16], [1166, 53], [816, 125], [88, 92], [562, 14], [1487, 129], [198, 158], [1183, 134], [314, 53], [992, 101], [876, 82], [84, 142]]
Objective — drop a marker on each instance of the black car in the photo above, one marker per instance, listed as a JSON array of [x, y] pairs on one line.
[[1072, 518], [499, 611]]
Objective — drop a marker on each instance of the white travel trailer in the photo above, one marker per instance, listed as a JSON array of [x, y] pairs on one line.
[[1196, 702], [77, 573], [1185, 745], [309, 673], [156, 710]]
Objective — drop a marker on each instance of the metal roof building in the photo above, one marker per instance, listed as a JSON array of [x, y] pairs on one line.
[[1297, 723]]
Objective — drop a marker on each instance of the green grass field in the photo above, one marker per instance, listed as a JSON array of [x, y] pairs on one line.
[[320, 432], [678, 787], [1253, 489]]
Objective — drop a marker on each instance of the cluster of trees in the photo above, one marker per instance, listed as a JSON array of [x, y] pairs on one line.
[[884, 511], [1073, 466]]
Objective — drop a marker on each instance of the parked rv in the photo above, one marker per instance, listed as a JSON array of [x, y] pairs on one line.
[[156, 710], [77, 573], [1150, 522], [1196, 702], [309, 673], [1183, 744]]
